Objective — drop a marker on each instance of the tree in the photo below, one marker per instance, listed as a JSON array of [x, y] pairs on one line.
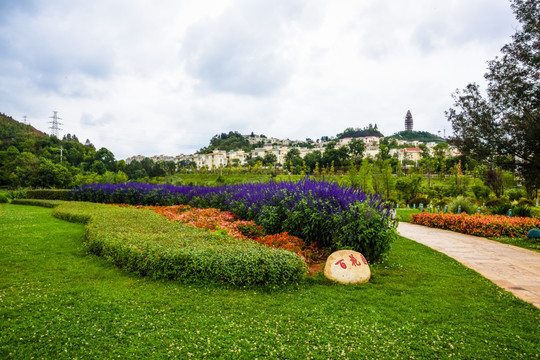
[[292, 155], [50, 175], [365, 175], [331, 154], [440, 151], [356, 149], [409, 187], [170, 167], [387, 179], [107, 158], [312, 159], [506, 121], [98, 167], [269, 159]]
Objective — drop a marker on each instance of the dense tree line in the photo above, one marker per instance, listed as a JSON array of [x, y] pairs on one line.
[[410, 135], [370, 130]]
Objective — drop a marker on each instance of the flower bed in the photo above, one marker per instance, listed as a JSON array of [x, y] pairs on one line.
[[219, 221], [333, 216], [479, 225]]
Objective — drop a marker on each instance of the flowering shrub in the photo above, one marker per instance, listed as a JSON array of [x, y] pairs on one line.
[[479, 225], [217, 221], [331, 215], [290, 243]]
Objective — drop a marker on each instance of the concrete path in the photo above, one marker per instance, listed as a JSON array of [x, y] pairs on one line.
[[513, 268]]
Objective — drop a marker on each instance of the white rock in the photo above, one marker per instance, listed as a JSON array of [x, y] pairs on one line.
[[347, 267]]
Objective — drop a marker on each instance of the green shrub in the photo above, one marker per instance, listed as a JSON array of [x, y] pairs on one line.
[[502, 209], [48, 194], [143, 242], [514, 194], [481, 192], [454, 190], [521, 211], [419, 200], [392, 201], [442, 202], [495, 202], [362, 232], [525, 202], [466, 205], [17, 194], [3, 198]]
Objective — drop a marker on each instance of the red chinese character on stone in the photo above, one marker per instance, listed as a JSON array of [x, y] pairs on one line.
[[354, 262], [341, 263], [363, 259]]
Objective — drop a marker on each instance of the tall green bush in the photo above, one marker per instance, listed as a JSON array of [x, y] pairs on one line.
[[466, 205]]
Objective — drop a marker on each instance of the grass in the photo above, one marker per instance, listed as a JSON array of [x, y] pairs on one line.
[[523, 242], [404, 214], [56, 300], [214, 179]]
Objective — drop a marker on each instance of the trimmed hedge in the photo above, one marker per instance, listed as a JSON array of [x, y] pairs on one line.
[[146, 243], [35, 202], [48, 194]]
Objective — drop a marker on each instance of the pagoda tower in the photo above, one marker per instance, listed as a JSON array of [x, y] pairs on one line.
[[408, 121]]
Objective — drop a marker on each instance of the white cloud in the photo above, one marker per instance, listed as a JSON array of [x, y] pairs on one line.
[[162, 78], [244, 50]]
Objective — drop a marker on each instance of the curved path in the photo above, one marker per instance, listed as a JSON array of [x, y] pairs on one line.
[[513, 268]]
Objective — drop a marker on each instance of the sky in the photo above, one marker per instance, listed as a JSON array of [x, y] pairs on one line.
[[163, 77]]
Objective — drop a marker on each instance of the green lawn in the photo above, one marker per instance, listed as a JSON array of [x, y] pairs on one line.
[[57, 301], [404, 214], [526, 243]]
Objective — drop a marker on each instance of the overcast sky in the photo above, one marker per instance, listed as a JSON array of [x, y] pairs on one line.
[[163, 77]]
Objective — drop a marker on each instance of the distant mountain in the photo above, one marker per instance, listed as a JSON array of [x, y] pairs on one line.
[[11, 128], [410, 135]]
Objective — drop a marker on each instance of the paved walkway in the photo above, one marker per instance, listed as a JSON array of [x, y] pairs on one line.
[[513, 268]]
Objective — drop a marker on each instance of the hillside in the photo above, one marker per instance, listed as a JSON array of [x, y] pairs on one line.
[[31, 158], [11, 128], [422, 136], [357, 132], [228, 142]]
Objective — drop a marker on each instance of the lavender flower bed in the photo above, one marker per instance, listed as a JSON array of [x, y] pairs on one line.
[[320, 212]]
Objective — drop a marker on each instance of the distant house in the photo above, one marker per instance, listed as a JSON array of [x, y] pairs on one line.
[[371, 140], [412, 154], [371, 151]]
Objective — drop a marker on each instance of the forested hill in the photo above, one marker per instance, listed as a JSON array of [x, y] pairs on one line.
[[10, 128], [31, 158], [422, 136], [370, 130], [228, 142]]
